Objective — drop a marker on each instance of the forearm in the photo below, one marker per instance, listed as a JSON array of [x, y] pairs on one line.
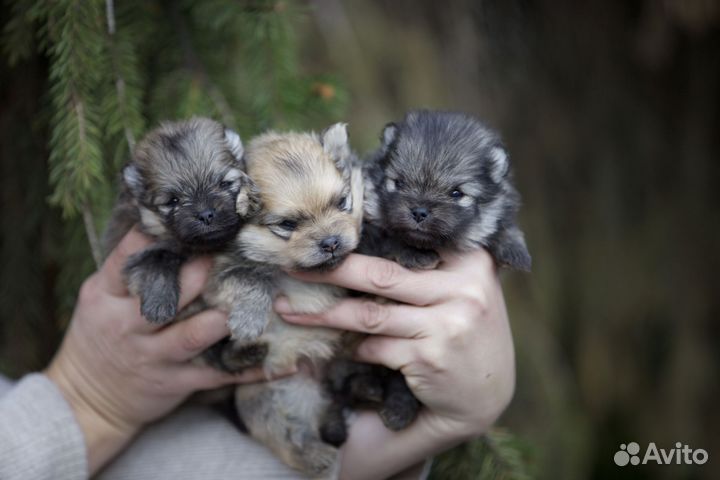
[[103, 438], [39, 437], [373, 452]]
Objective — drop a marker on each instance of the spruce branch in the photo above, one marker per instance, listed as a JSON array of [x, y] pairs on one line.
[[120, 84], [194, 64], [497, 455], [92, 236]]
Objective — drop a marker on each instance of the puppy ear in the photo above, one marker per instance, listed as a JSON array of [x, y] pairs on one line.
[[133, 179], [248, 201], [371, 173], [235, 144], [498, 163], [509, 250], [388, 136], [334, 141]]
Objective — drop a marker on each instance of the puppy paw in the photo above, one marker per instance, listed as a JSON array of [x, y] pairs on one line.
[[158, 310], [314, 458], [365, 388], [153, 276], [247, 324], [419, 259], [159, 296], [235, 358], [399, 410], [333, 428], [334, 433]]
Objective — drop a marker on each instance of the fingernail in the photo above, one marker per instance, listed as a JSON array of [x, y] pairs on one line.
[[292, 318], [283, 374], [282, 306]]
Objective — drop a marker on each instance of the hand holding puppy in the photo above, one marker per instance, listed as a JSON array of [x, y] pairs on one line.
[[117, 371], [450, 337]]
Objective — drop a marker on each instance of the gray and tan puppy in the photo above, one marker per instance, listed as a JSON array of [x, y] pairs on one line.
[[311, 217], [185, 187], [439, 181]]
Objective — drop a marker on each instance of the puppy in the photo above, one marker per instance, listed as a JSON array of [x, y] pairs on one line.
[[310, 219], [185, 187], [439, 181]]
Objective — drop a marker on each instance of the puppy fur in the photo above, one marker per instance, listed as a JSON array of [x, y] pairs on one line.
[[439, 181], [185, 187], [311, 218]]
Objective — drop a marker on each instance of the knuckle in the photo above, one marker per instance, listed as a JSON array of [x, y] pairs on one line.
[[433, 358], [192, 339], [89, 290], [457, 328], [474, 298], [384, 275], [373, 316], [372, 349]]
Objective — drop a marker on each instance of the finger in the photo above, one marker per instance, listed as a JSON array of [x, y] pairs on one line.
[[362, 315], [385, 278], [204, 378], [111, 272], [477, 261], [394, 353], [187, 339], [193, 276]]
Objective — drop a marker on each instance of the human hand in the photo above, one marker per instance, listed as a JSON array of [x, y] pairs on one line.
[[449, 336], [118, 371]]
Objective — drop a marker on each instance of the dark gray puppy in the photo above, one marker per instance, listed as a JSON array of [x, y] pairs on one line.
[[439, 181], [184, 186]]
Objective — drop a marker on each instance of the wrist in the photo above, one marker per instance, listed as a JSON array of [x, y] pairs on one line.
[[104, 437]]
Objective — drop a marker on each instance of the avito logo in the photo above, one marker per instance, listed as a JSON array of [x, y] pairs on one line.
[[681, 454]]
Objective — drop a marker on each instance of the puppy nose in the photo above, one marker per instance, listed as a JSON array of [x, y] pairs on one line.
[[206, 216], [419, 213], [330, 244]]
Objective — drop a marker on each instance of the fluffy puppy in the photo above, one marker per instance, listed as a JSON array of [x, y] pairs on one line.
[[185, 187], [311, 217], [439, 181]]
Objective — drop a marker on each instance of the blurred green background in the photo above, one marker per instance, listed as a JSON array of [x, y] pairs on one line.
[[610, 110]]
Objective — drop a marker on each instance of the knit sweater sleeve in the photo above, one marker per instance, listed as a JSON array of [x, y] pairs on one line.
[[39, 436]]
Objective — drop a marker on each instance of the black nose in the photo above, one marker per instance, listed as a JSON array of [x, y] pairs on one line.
[[330, 244], [419, 213], [206, 216]]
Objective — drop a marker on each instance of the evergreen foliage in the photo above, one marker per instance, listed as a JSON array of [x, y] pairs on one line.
[[115, 69], [498, 455]]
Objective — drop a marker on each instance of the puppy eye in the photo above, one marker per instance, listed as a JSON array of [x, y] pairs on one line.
[[455, 193], [172, 202], [399, 183], [342, 204], [224, 184], [289, 225]]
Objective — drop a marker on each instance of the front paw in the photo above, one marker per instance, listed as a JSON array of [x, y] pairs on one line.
[[418, 259], [365, 388], [399, 407], [159, 294], [247, 324], [153, 276], [234, 358], [159, 309], [398, 413], [309, 454]]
